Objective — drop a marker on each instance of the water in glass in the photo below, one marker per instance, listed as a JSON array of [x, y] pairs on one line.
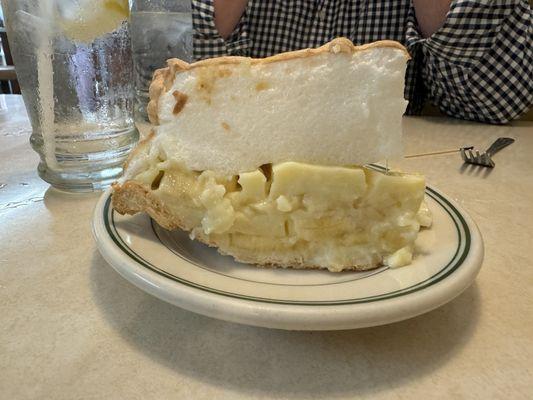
[[74, 65]]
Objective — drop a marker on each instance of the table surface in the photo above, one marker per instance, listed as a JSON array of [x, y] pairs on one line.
[[70, 327]]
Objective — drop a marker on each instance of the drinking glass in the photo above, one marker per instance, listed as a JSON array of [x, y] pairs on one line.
[[74, 65], [160, 29]]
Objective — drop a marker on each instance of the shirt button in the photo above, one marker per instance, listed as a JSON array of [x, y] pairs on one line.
[[322, 14]]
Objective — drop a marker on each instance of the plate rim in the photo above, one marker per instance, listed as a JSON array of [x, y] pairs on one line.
[[297, 314]]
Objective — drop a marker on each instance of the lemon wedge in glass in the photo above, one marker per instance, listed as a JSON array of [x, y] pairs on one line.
[[93, 19]]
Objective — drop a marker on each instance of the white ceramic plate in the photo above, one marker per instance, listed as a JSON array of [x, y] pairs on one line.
[[193, 276]]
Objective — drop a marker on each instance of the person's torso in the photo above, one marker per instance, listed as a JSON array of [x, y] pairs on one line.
[[276, 26]]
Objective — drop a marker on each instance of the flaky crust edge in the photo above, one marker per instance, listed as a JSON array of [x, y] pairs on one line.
[[163, 78]]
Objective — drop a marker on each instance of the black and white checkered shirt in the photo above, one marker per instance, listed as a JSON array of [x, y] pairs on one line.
[[478, 66]]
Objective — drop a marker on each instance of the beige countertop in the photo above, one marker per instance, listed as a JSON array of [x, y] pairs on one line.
[[72, 328]]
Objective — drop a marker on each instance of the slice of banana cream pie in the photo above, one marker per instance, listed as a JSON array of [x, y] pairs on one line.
[[266, 159]]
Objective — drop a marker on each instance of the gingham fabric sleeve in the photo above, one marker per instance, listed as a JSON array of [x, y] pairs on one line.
[[207, 41], [479, 64]]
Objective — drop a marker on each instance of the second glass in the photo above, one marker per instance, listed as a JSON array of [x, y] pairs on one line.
[[160, 29]]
